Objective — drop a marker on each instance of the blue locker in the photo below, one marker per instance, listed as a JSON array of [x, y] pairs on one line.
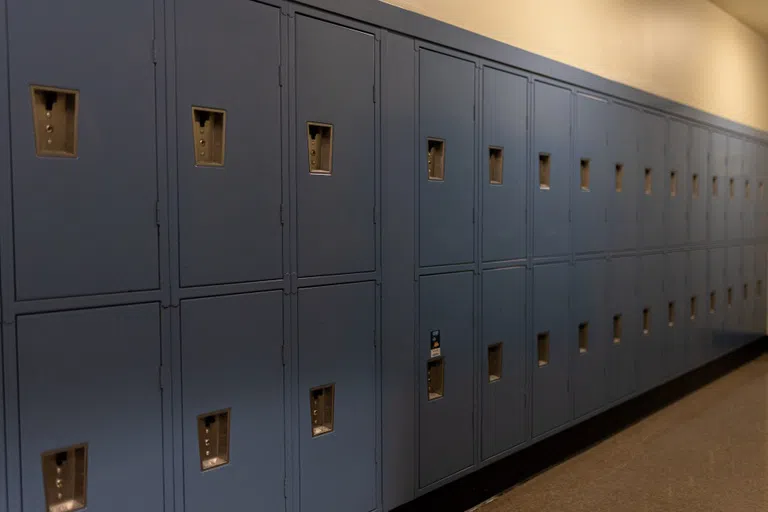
[[89, 399], [503, 381], [717, 289], [699, 338], [761, 278], [505, 135], [552, 405], [652, 193], [678, 312], [550, 176], [591, 182], [677, 178], [750, 189], [447, 135], [698, 181], [718, 187], [652, 352], [589, 335], [748, 290], [336, 336], [335, 195], [446, 379], [229, 215], [734, 313], [232, 361], [624, 315], [84, 213], [622, 213]]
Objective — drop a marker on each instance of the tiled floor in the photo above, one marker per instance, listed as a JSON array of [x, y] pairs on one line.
[[707, 452]]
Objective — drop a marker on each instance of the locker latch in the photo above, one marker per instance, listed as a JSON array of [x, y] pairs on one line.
[[435, 159], [320, 147], [213, 439], [55, 120], [435, 378], [65, 474], [209, 132], [321, 403]]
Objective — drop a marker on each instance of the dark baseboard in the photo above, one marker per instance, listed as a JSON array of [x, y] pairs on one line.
[[465, 493]]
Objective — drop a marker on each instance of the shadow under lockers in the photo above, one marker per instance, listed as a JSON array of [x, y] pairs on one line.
[[85, 220], [91, 408], [232, 383]]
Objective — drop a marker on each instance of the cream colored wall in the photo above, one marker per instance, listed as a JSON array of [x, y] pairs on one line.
[[686, 50]]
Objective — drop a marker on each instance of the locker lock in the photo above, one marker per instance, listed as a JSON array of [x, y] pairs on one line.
[[65, 474], [320, 148], [321, 404], [209, 135], [213, 439], [54, 113]]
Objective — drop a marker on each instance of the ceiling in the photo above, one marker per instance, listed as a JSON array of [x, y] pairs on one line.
[[753, 13]]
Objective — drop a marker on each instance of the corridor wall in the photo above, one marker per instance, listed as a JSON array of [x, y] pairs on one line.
[[292, 256]]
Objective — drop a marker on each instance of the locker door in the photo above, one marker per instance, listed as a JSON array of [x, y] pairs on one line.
[[700, 340], [84, 211], [749, 191], [242, 377], [676, 178], [503, 360], [761, 197], [335, 75], [734, 286], [761, 278], [622, 214], [551, 154], [652, 326], [677, 313], [734, 207], [717, 187], [698, 180], [588, 335], [591, 178], [748, 290], [337, 375], [446, 155], [652, 193], [88, 379], [624, 315], [505, 144], [229, 214], [552, 406], [717, 302], [446, 397]]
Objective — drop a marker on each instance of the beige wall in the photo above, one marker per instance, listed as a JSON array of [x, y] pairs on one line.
[[686, 50]]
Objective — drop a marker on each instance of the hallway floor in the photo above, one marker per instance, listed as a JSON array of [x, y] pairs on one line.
[[707, 452]]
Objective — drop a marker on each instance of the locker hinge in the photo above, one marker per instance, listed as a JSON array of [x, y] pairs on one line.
[[374, 93], [280, 75], [569, 215], [525, 401], [285, 488], [282, 214], [160, 379], [374, 338], [282, 353], [473, 215], [157, 213], [374, 215], [154, 51], [474, 112]]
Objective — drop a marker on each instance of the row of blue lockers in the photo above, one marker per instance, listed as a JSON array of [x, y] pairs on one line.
[[291, 172], [303, 263]]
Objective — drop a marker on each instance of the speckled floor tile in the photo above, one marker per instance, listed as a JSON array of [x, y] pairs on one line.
[[705, 453]]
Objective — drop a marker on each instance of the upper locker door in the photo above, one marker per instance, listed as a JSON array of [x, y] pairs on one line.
[[749, 185], [335, 148], [622, 212], [84, 161], [446, 159], [652, 169], [551, 154], [717, 187], [677, 180], [505, 144], [698, 185], [734, 197], [591, 179], [228, 94]]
